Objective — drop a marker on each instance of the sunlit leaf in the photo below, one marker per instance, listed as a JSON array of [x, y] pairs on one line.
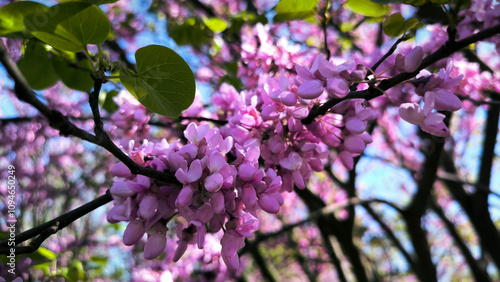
[[368, 8], [164, 82], [70, 26], [99, 259], [42, 254], [12, 15], [294, 9], [216, 25]]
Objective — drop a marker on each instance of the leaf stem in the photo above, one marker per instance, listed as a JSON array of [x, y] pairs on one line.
[[89, 58], [100, 54]]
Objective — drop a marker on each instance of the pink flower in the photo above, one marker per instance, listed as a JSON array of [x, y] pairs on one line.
[[354, 144], [213, 182], [269, 204], [148, 206], [410, 62], [310, 89], [122, 189], [121, 170], [346, 159], [337, 87], [134, 232], [191, 175], [196, 133], [155, 245]]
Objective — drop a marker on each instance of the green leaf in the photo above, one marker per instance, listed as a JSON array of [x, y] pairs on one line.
[[99, 259], [95, 2], [216, 25], [12, 15], [70, 26], [36, 66], [164, 83], [75, 271], [108, 104], [368, 8], [395, 25], [191, 32], [73, 73], [287, 10]]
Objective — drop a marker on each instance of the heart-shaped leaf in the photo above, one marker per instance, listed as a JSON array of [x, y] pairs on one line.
[[69, 26], [12, 15], [164, 82]]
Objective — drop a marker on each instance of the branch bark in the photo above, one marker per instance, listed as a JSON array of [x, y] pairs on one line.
[[45, 230]]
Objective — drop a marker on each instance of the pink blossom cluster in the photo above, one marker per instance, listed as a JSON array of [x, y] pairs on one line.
[[481, 14], [211, 192], [437, 97], [295, 149]]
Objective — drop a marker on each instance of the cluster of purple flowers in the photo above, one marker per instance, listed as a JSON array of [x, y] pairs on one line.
[[210, 193]]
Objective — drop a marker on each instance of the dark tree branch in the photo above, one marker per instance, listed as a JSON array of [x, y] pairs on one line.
[[154, 123], [311, 275], [329, 225], [472, 57], [425, 268], [489, 142], [370, 93], [94, 106], [324, 26], [45, 230], [391, 235], [478, 271], [478, 214], [261, 263], [24, 93]]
